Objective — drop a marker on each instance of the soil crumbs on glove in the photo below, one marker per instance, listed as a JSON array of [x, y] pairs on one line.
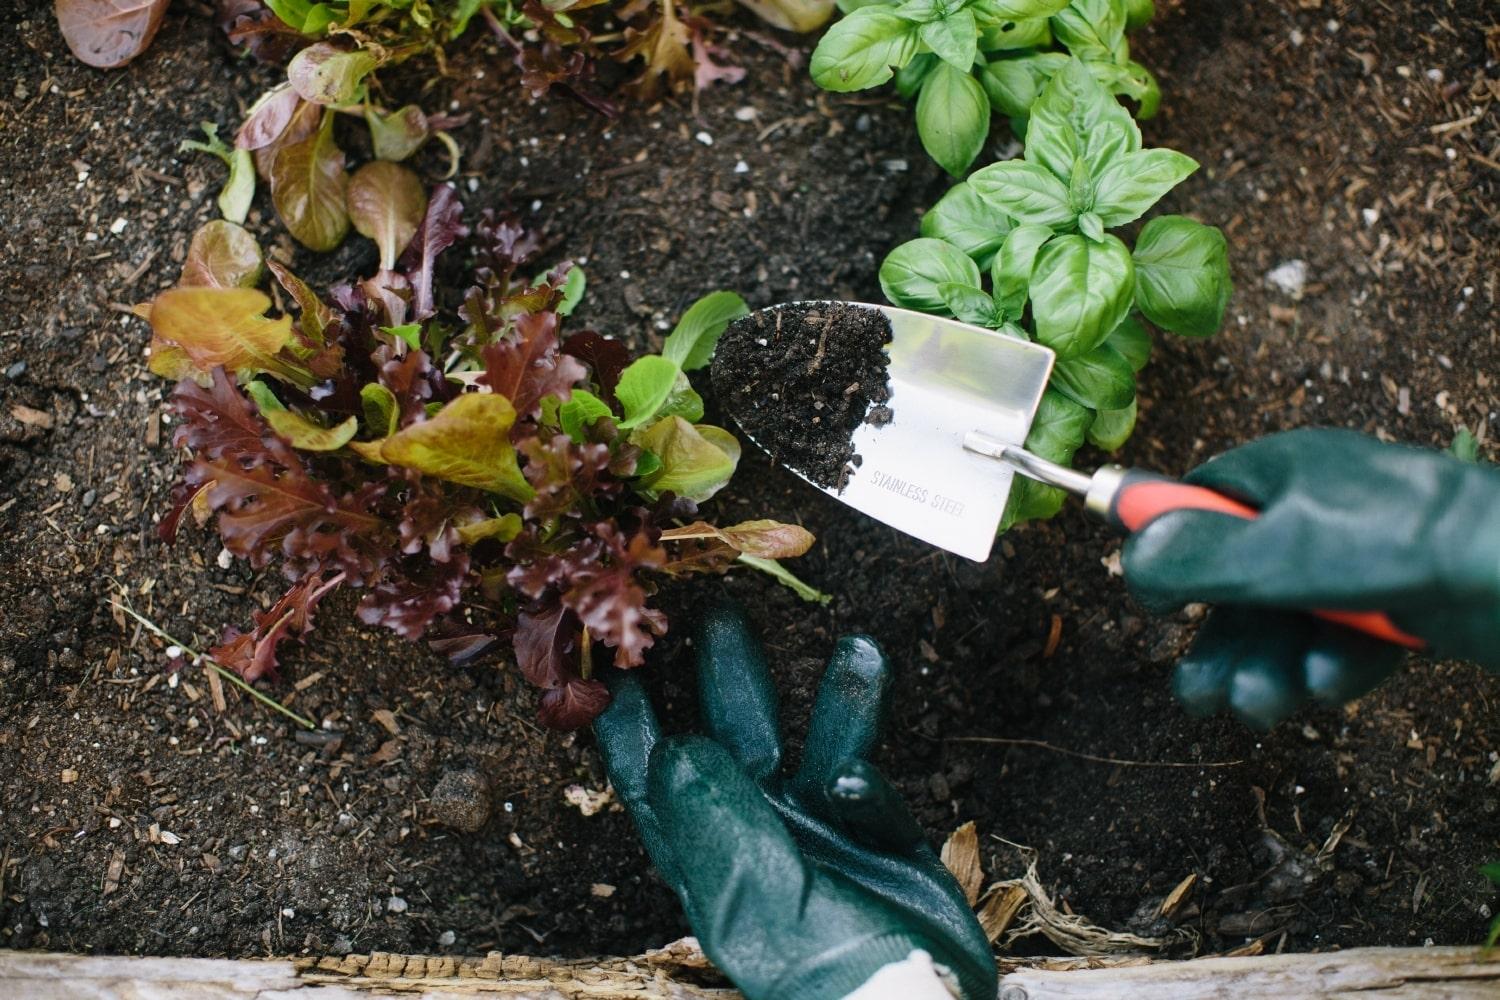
[[801, 378]]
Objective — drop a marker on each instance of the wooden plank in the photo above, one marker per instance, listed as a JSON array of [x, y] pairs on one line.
[[1356, 974], [670, 974]]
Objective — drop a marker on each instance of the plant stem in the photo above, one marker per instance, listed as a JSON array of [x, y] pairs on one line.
[[223, 672]]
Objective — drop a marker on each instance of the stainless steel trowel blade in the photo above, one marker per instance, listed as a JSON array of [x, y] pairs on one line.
[[946, 379]]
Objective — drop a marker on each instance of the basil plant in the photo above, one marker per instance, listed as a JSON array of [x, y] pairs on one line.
[[1037, 228], [967, 60]]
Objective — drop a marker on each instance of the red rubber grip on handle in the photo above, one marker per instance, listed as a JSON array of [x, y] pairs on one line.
[[1143, 498]]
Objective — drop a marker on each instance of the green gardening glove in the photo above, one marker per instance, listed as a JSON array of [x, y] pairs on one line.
[[1346, 523], [799, 887]]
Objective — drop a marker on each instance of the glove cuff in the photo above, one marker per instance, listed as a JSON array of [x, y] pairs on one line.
[[837, 972]]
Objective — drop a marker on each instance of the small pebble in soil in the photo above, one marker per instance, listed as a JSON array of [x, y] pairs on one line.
[[461, 800], [801, 378]]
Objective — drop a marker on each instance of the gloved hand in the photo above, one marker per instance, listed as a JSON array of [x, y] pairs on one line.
[[800, 887], [1346, 523]]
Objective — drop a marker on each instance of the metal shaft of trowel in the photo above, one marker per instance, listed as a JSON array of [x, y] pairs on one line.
[[1130, 499], [1098, 490]]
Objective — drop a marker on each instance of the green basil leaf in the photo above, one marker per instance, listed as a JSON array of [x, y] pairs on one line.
[[1134, 81], [911, 274], [1017, 10], [644, 387], [1127, 188], [574, 285], [386, 202], [1112, 428], [380, 409], [909, 78], [1076, 117], [1026, 192], [1058, 431], [968, 222], [691, 343], [1091, 225], [1182, 275], [1011, 85], [954, 39], [999, 34], [969, 304], [1090, 29], [1011, 273], [1080, 291], [1131, 339], [580, 412], [953, 118], [926, 11], [1138, 13], [325, 74], [859, 51], [308, 188], [1101, 379]]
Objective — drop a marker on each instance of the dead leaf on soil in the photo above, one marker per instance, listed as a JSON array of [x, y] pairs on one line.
[[109, 33], [961, 856], [1177, 897], [1000, 909]]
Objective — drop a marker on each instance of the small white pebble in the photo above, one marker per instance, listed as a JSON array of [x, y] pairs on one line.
[[1435, 75], [625, 275], [170, 839], [225, 559], [396, 904], [745, 114], [288, 912], [742, 167], [1296, 38], [473, 184], [447, 938], [704, 138], [118, 226], [1372, 216], [536, 205]]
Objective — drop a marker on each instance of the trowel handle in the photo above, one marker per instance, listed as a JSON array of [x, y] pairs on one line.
[[1130, 499]]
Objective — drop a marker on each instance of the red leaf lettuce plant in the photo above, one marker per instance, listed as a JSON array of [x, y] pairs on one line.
[[480, 475]]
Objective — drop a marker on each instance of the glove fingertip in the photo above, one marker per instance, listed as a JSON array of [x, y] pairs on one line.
[[1201, 687]]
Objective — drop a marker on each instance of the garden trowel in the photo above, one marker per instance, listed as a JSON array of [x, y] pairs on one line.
[[962, 400]]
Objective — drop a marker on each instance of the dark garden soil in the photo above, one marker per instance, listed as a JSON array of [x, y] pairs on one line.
[[800, 379], [1359, 138]]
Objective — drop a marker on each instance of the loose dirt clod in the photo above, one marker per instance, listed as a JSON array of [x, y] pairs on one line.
[[801, 378]]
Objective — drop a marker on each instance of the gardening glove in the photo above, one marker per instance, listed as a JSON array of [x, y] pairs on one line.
[[1346, 523], [801, 887]]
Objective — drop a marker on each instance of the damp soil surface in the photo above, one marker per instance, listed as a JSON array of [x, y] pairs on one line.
[[429, 813], [802, 378]]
